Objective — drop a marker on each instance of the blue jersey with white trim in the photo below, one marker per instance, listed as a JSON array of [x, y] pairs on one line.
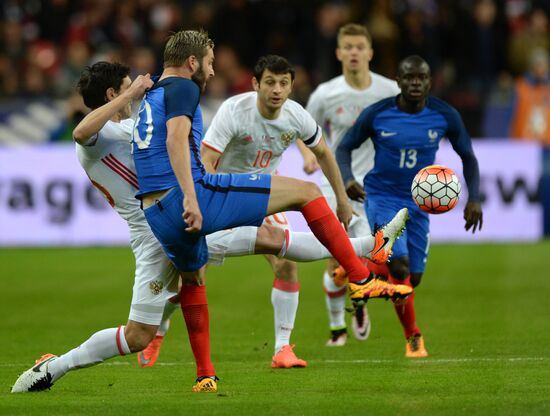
[[404, 143], [171, 97]]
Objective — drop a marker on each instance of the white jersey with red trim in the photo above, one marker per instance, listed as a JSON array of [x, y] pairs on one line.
[[107, 160], [335, 105], [249, 142]]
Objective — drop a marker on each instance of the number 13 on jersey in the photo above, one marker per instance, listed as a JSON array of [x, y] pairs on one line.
[[408, 158]]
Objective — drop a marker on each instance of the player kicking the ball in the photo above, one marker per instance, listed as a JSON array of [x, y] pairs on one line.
[[102, 148]]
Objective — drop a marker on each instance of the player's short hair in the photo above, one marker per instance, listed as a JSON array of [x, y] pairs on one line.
[[95, 80], [276, 64], [185, 43], [354, 29]]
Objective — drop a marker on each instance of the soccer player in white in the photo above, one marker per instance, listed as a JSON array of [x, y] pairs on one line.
[[335, 105], [249, 133], [103, 149]]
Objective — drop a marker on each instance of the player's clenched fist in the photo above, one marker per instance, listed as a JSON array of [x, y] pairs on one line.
[[141, 84]]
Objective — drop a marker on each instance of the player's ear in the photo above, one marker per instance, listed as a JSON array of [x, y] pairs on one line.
[[110, 94], [255, 84], [370, 54], [339, 54]]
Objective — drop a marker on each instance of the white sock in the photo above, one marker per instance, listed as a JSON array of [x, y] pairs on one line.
[[305, 247], [100, 346], [284, 299], [335, 297], [169, 309]]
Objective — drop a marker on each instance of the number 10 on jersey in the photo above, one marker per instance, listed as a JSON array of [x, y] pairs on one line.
[[263, 157]]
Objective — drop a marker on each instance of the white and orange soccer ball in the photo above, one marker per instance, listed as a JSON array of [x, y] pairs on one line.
[[435, 189]]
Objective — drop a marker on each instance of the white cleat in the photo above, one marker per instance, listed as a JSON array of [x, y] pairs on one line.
[[338, 338], [360, 323], [36, 378], [385, 237]]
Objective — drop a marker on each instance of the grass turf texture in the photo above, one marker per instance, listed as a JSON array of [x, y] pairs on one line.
[[483, 311]]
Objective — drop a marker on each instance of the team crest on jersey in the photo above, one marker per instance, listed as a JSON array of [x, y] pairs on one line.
[[156, 287], [288, 137], [432, 134], [248, 139]]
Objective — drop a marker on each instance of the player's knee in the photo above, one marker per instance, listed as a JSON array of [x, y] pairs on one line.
[[269, 239], [308, 192], [399, 269], [416, 278], [138, 338], [286, 270]]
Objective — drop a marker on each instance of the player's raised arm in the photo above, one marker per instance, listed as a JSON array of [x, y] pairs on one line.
[[115, 103]]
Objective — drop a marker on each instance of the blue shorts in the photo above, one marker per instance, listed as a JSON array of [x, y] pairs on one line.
[[225, 200], [415, 241]]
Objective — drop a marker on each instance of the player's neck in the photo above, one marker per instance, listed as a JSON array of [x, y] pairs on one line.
[[175, 71], [358, 80], [267, 113], [411, 107]]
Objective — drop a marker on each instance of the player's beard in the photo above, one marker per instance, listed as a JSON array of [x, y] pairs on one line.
[[200, 77]]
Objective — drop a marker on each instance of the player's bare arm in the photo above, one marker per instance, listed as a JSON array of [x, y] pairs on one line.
[[209, 158], [310, 161], [96, 119], [330, 169], [177, 144]]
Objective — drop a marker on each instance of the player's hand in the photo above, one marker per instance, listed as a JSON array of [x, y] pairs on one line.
[[473, 216], [192, 215], [141, 84], [355, 191], [310, 163], [344, 212]]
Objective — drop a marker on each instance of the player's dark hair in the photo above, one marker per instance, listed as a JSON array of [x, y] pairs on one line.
[[416, 60], [95, 80], [276, 64], [185, 43]]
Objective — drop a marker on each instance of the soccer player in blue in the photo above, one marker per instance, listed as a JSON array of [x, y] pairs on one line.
[[406, 131], [182, 203]]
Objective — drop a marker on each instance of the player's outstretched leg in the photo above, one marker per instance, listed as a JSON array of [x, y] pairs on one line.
[[288, 193], [148, 357]]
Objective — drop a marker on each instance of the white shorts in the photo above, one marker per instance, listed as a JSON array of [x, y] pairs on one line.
[[241, 245], [156, 279], [359, 225]]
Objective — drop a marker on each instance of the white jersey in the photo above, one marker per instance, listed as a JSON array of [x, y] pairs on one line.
[[108, 162], [335, 105], [249, 142]]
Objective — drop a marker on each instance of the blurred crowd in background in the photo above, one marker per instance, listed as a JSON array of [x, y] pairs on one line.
[[489, 58]]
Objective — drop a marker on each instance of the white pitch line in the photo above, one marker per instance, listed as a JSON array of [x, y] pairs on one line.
[[366, 361]]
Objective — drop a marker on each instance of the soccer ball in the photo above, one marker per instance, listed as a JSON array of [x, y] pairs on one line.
[[435, 189]]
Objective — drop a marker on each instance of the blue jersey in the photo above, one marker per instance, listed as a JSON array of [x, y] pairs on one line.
[[404, 143], [171, 97]]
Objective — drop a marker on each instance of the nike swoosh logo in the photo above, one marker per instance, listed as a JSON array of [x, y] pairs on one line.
[[142, 359], [386, 239], [387, 133], [37, 368]]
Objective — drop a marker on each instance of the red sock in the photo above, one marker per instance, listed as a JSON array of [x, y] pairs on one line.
[[405, 309], [332, 235], [195, 312], [377, 269]]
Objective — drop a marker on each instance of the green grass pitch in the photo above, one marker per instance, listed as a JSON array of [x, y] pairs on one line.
[[484, 311]]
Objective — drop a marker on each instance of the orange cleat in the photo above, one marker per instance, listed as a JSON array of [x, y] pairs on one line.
[[415, 347], [286, 358], [385, 237], [148, 357], [340, 276], [376, 288]]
